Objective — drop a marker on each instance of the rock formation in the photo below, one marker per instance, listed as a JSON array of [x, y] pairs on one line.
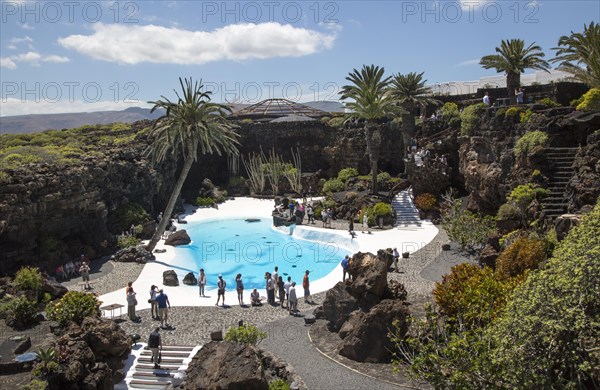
[[180, 237], [170, 278], [133, 254], [190, 279]]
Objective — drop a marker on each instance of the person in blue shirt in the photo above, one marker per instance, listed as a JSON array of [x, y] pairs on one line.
[[162, 300], [345, 268]]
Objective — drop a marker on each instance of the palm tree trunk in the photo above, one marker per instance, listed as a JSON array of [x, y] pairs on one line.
[[513, 81], [162, 225], [373, 152]]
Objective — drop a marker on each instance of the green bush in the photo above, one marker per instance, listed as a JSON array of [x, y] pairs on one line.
[[334, 185], [129, 214], [73, 306], [28, 278], [22, 311], [548, 102], [127, 241], [523, 254], [35, 384], [525, 117], [346, 173], [426, 202], [524, 194], [279, 384], [510, 237], [575, 102], [381, 210], [450, 114], [470, 118], [500, 112], [513, 112], [337, 122], [205, 202], [383, 178], [508, 211], [247, 334], [591, 101], [246, 121], [470, 230], [528, 141]]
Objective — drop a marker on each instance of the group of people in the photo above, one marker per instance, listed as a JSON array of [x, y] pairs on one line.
[[158, 300], [73, 268], [519, 96], [276, 287]]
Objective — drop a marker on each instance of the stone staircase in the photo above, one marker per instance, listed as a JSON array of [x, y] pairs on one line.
[[561, 161], [174, 362], [406, 212]]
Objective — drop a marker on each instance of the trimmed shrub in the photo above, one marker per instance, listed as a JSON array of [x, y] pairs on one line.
[[383, 178], [28, 278], [513, 112], [346, 173], [381, 210], [73, 306], [127, 241], [470, 118], [334, 185], [528, 141], [205, 202], [523, 254], [508, 211], [591, 101], [22, 311], [426, 202], [247, 334]]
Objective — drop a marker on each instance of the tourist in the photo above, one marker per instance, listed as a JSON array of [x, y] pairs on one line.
[[291, 207], [365, 223], [60, 272], [329, 216], [84, 270], [275, 276], [520, 94], [221, 290], [324, 216], [345, 267], [239, 287], [132, 230], [162, 300], [351, 226], [270, 289], [201, 283], [129, 287], [287, 286], [486, 99], [153, 304], [306, 286], [281, 290], [311, 214], [255, 298], [160, 216], [293, 299], [154, 343], [310, 192], [396, 256], [131, 304], [69, 268]]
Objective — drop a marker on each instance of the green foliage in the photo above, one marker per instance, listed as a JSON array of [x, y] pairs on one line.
[[246, 121], [247, 334], [73, 306], [129, 214], [205, 202], [450, 114], [279, 384], [426, 202], [524, 194], [35, 384], [47, 364], [46, 298], [346, 173], [510, 237], [500, 112], [468, 229], [470, 118], [525, 117], [523, 254], [336, 122], [575, 102], [28, 278], [334, 185], [127, 241], [591, 101], [548, 102], [22, 311], [381, 209], [548, 335], [508, 211], [528, 141], [513, 112], [383, 178]]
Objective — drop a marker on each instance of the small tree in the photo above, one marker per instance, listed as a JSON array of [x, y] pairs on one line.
[[247, 334]]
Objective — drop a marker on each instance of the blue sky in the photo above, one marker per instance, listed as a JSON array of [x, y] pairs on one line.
[[72, 56]]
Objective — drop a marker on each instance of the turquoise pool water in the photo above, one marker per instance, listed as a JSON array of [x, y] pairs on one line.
[[229, 247]]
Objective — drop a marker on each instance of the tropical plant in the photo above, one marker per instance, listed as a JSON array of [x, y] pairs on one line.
[[256, 172], [28, 278], [191, 124], [73, 306], [470, 118], [513, 58], [523, 254], [470, 230], [247, 334], [370, 101], [579, 55], [293, 172], [273, 169], [129, 214]]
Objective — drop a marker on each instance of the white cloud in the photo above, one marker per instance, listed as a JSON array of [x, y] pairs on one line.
[[55, 58], [26, 26], [6, 62], [469, 62], [31, 57], [133, 44], [16, 106], [26, 39]]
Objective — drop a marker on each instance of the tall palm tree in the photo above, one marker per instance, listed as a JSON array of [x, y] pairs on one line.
[[409, 92], [581, 49], [191, 124], [513, 58], [370, 102]]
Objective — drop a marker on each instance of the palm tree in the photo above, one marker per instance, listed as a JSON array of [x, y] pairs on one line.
[[513, 58], [191, 123], [371, 102], [579, 49], [409, 92]]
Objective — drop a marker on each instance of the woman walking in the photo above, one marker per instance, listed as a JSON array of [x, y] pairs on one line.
[[281, 289], [239, 286], [153, 304]]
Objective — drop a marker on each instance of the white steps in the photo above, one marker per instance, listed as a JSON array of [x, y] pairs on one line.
[[406, 212]]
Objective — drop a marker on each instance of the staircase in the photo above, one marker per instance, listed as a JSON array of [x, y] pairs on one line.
[[175, 360], [406, 212], [561, 161]]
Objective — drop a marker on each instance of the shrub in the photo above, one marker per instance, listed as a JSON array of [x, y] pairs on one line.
[[336, 122], [468, 229], [528, 141], [22, 311], [548, 102], [246, 121], [279, 384], [508, 211], [591, 100], [381, 210], [35, 384], [28, 278], [347, 173], [575, 102], [500, 112], [334, 185], [383, 178], [247, 334], [510, 237], [73, 306], [426, 201], [129, 214], [205, 202], [450, 114], [127, 241], [513, 112], [524, 194], [525, 117], [523, 254], [470, 118]]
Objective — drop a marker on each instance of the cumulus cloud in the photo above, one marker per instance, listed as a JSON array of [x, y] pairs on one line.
[[55, 58], [31, 57], [6, 62], [133, 44]]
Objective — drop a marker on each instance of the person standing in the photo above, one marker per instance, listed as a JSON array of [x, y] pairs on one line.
[[520, 95], [287, 286], [275, 275], [396, 256], [311, 214], [281, 290], [155, 345], [486, 99], [239, 287], [365, 223], [129, 287], [270, 285], [345, 267], [293, 304], [221, 290], [201, 282], [162, 300], [306, 286], [153, 304], [131, 304], [84, 270]]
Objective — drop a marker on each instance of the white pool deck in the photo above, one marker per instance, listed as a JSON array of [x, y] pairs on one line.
[[405, 238]]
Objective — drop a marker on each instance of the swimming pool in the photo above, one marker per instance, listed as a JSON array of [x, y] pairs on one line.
[[233, 246]]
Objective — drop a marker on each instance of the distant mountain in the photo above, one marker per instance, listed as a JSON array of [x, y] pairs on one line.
[[40, 122]]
